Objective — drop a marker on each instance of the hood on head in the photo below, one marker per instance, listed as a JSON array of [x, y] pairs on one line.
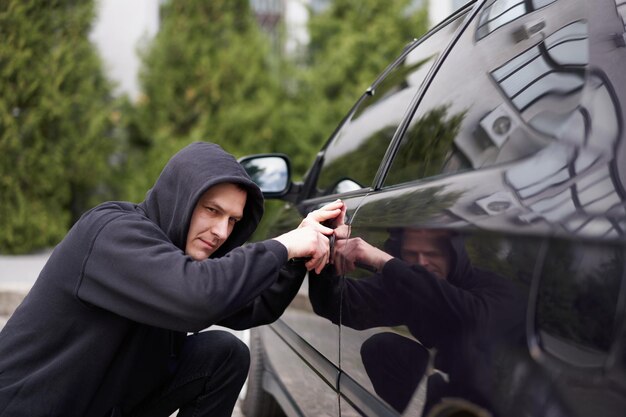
[[460, 269], [187, 175]]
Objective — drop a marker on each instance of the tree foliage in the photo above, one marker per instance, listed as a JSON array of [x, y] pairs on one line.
[[352, 42], [208, 75], [578, 293], [55, 120]]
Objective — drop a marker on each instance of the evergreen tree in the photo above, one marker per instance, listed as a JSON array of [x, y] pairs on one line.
[[55, 119], [352, 42], [208, 75]]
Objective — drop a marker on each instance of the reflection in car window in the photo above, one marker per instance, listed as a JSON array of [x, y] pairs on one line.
[[426, 145], [542, 184], [554, 67], [577, 300], [500, 100], [500, 12], [358, 147], [457, 4], [621, 11], [550, 100], [345, 186], [269, 173]]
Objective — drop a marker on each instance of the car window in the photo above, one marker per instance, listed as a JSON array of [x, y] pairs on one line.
[[506, 94], [352, 157], [498, 13]]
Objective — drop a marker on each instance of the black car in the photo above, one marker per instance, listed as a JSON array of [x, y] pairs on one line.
[[489, 161]]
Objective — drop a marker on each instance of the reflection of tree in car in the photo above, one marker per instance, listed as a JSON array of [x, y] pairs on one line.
[[255, 172], [425, 204], [579, 293], [426, 146], [501, 12], [396, 81], [462, 312], [357, 165], [423, 151]]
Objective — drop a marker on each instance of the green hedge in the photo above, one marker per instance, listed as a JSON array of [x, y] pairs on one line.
[[210, 74], [55, 109]]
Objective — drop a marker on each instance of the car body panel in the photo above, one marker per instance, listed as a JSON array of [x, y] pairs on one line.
[[298, 332], [507, 146]]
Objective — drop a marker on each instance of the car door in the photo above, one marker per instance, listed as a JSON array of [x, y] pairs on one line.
[[406, 326], [577, 329], [345, 168], [487, 167]]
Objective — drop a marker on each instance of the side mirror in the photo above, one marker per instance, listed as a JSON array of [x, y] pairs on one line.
[[271, 172]]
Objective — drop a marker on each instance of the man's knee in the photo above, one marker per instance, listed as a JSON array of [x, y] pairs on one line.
[[219, 347], [211, 369], [239, 353]]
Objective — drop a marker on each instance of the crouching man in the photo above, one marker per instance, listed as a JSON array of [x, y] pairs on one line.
[[104, 330]]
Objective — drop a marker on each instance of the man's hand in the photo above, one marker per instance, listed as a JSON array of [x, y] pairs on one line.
[[350, 252], [317, 217], [310, 239]]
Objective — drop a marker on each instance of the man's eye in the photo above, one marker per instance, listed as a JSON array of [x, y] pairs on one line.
[[232, 220], [211, 209]]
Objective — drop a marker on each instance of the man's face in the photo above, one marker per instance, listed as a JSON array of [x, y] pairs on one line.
[[213, 219], [426, 248]]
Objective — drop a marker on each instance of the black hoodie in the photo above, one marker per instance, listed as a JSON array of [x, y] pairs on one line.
[[118, 294]]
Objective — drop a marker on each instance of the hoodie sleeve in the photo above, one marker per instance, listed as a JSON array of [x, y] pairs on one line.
[[491, 303], [133, 270], [363, 303], [271, 303], [406, 294]]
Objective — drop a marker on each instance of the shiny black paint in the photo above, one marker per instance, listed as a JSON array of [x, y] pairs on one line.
[[531, 178]]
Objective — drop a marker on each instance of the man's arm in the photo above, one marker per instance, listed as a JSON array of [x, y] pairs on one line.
[[310, 239], [399, 293], [272, 302], [486, 301], [365, 303], [133, 270], [355, 252]]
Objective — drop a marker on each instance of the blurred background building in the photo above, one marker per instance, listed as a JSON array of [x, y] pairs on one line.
[[122, 27]]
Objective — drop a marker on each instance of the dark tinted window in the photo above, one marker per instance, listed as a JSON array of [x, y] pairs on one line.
[[352, 158], [501, 98]]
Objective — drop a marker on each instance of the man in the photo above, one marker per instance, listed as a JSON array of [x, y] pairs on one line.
[[423, 247], [104, 329], [424, 281]]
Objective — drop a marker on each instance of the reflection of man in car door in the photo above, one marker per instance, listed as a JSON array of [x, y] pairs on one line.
[[452, 308]]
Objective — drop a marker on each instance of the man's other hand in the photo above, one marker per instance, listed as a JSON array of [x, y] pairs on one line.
[[310, 239]]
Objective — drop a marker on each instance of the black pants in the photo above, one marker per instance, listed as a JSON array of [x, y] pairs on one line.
[[395, 365], [206, 380]]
